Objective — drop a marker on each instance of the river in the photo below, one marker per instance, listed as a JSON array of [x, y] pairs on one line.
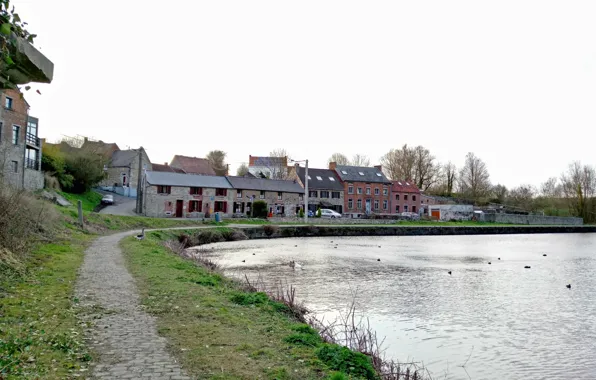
[[501, 320]]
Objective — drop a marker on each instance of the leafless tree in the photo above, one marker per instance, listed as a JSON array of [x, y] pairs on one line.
[[242, 169], [278, 164], [499, 192], [551, 188], [522, 196], [360, 160], [449, 174], [425, 169], [217, 159], [416, 164], [579, 185], [339, 158], [474, 179]]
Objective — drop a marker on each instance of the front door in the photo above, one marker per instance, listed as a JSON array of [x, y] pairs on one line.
[[367, 206], [179, 205]]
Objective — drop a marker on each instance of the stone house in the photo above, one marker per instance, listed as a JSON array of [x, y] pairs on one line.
[[122, 171], [20, 145], [405, 197], [268, 167], [167, 194], [192, 165], [325, 189], [282, 197], [366, 189]]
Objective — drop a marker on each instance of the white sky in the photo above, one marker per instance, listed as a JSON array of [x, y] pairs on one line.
[[512, 81]]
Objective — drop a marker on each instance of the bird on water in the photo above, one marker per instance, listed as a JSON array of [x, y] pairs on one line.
[[489, 263], [568, 286], [449, 272]]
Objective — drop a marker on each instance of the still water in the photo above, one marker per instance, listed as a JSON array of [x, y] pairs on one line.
[[511, 322]]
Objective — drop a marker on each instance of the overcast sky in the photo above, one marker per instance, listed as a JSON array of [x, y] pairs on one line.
[[512, 81]]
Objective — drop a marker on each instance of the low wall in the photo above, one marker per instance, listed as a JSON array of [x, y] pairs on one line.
[[342, 221], [312, 231], [533, 219]]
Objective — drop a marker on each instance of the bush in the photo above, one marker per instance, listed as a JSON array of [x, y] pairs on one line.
[[342, 359], [318, 213], [246, 299], [207, 237], [270, 229], [304, 339], [260, 209], [301, 213]]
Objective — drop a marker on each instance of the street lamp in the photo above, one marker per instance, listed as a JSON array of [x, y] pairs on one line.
[[305, 188]]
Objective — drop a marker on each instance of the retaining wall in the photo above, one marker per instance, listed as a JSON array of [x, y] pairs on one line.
[[533, 219]]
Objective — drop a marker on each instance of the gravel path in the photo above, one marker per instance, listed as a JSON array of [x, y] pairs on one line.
[[124, 337]]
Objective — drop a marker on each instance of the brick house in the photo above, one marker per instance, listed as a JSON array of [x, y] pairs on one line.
[[185, 195], [282, 197], [192, 165], [405, 197], [122, 171], [366, 189], [20, 145], [325, 189]]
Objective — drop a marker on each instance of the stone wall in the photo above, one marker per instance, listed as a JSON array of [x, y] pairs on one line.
[[532, 219], [289, 200], [34, 179], [164, 205]]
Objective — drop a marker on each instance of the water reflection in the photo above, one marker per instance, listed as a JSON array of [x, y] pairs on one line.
[[515, 322]]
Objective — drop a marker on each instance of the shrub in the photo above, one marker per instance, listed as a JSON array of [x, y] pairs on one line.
[[245, 299], [301, 213], [304, 339], [260, 209], [318, 213], [270, 229], [342, 359], [207, 237]]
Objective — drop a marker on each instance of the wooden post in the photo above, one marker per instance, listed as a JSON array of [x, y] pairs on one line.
[[80, 206]]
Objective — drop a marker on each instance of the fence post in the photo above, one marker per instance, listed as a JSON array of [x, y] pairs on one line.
[[80, 206]]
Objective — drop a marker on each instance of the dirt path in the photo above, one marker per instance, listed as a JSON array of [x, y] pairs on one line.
[[124, 338]]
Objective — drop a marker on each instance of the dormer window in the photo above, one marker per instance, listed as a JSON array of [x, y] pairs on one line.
[[332, 179], [319, 178], [344, 172], [361, 173], [379, 175]]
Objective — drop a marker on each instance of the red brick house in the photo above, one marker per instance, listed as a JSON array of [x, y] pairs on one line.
[[366, 189], [405, 197]]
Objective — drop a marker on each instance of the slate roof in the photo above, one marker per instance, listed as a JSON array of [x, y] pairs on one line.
[[193, 165], [187, 180], [404, 187], [325, 183], [245, 183], [123, 158], [166, 168], [352, 174], [267, 161]]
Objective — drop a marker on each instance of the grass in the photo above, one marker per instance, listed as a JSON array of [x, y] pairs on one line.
[[217, 330], [90, 199], [39, 334]]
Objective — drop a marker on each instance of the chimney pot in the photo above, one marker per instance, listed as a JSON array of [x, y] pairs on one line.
[[380, 167], [332, 165], [165, 163]]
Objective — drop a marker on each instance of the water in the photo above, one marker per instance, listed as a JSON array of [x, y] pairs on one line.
[[511, 322]]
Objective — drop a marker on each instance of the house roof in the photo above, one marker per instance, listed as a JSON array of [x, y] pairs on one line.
[[193, 165], [353, 174], [246, 183], [404, 187], [267, 161], [324, 183], [100, 147], [123, 158], [166, 168], [187, 180]]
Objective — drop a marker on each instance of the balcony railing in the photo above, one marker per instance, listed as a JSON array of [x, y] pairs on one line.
[[31, 164], [32, 139]]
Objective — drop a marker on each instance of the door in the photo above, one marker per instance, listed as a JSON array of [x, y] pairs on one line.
[[436, 214], [179, 205], [367, 206]]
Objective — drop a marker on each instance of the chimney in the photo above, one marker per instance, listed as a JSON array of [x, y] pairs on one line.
[[165, 163], [380, 167], [332, 165], [85, 139]]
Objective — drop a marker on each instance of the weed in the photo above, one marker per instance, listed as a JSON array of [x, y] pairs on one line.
[[312, 340], [341, 358], [257, 298]]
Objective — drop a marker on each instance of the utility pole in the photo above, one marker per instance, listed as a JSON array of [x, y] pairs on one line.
[[140, 183], [306, 193]]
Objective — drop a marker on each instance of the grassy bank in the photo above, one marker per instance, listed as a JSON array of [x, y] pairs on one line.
[[219, 331]]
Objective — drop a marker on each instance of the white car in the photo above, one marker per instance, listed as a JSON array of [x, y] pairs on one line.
[[107, 199], [326, 213]]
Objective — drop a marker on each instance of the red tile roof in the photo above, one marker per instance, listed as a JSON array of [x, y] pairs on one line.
[[192, 165], [404, 187]]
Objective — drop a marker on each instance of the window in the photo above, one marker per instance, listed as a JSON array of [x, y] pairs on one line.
[[344, 172], [359, 204], [279, 195], [350, 203], [376, 204], [195, 206], [15, 166], [301, 197], [196, 190], [397, 197], [262, 194], [32, 128], [397, 208], [385, 191], [368, 191], [414, 198], [8, 103], [309, 178], [377, 191], [324, 194], [350, 189], [221, 192], [312, 194], [385, 204], [331, 179], [164, 189], [15, 134], [238, 193], [220, 207], [379, 175], [319, 178], [335, 195], [359, 190], [413, 208], [405, 197], [405, 208], [360, 173]]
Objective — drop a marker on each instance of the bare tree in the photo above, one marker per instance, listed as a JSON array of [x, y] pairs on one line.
[[425, 169], [522, 196], [579, 185], [416, 164], [360, 160], [499, 192], [339, 158], [277, 163], [242, 169], [474, 179], [217, 159], [449, 175], [551, 188]]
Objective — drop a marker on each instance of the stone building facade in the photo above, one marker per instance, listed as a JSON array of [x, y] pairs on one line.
[[185, 195], [325, 189], [283, 197], [122, 171]]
